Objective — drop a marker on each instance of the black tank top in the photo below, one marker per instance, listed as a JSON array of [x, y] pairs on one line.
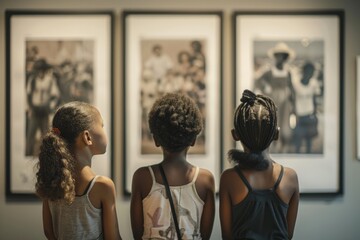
[[261, 215]]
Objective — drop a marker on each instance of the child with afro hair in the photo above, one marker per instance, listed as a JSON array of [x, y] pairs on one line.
[[174, 121]]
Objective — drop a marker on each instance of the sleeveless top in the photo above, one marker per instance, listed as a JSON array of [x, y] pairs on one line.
[[261, 215], [158, 221], [80, 220]]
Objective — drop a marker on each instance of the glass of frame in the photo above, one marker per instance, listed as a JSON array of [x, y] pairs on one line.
[[53, 58], [296, 59], [171, 52]]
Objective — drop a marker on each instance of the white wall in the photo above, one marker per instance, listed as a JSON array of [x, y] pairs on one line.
[[319, 218]]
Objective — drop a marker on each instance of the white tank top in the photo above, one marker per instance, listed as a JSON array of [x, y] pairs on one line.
[[80, 220], [158, 221]]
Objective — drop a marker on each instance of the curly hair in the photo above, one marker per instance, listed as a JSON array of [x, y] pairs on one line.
[[175, 121], [255, 122], [56, 166]]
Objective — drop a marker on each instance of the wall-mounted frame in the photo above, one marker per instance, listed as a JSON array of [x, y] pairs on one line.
[[309, 111], [358, 106], [53, 58], [188, 49]]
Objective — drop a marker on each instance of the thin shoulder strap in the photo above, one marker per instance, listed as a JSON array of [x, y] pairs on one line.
[[196, 175], [152, 174], [92, 182], [279, 178], [243, 178], [168, 193]]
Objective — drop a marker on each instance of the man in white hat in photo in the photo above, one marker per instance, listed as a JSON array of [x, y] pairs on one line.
[[277, 84]]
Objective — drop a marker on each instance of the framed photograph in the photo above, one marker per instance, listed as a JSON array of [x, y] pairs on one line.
[[53, 58], [171, 52], [296, 59]]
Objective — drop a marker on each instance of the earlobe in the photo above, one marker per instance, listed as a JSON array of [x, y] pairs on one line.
[[277, 133]]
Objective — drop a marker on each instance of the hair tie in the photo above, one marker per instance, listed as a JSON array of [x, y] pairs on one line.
[[56, 131], [248, 97]]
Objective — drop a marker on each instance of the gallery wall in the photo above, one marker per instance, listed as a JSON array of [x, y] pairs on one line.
[[320, 217]]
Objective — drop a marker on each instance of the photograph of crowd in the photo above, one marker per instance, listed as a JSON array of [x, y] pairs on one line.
[[172, 66], [57, 71]]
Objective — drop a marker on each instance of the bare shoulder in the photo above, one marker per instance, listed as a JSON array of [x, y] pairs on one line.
[[103, 191], [291, 178], [142, 175], [228, 172], [205, 184], [105, 184], [205, 173], [206, 176], [141, 182], [141, 172], [227, 175], [290, 173], [105, 180]]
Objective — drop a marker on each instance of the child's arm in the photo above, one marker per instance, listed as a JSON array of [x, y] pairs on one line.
[[208, 214], [47, 221], [225, 208], [136, 207], [108, 203], [294, 202]]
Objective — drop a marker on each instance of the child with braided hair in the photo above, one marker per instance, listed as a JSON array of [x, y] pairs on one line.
[[258, 197], [175, 121], [77, 203]]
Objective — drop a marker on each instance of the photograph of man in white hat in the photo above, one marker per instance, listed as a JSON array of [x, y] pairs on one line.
[[279, 73], [277, 84]]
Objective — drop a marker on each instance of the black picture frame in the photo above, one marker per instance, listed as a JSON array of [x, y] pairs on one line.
[[174, 31], [358, 107], [31, 36], [316, 37]]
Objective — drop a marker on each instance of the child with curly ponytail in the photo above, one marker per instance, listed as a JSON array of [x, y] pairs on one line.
[[258, 197], [77, 203]]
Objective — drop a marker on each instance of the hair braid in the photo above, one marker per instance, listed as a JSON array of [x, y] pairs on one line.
[[255, 122]]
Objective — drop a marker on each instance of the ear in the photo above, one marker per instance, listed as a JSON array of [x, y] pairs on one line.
[[277, 133], [235, 135], [87, 137]]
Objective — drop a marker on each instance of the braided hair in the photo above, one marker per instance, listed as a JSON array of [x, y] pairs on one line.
[[255, 122], [56, 167], [175, 121]]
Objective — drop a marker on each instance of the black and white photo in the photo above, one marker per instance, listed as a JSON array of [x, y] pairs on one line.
[[296, 59], [53, 58], [171, 52]]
